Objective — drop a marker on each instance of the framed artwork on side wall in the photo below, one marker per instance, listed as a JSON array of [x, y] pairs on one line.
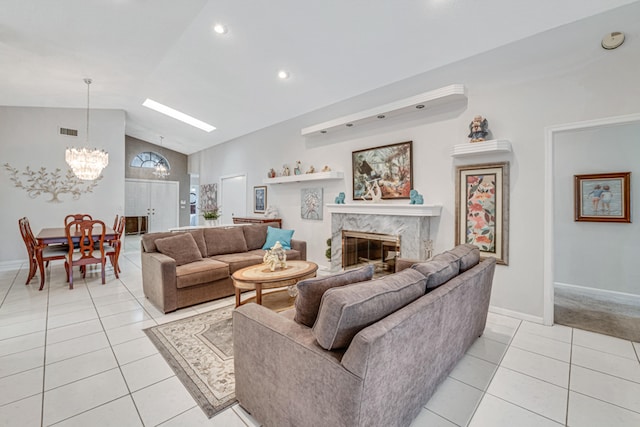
[[602, 197], [384, 171], [482, 208], [259, 199], [311, 203]]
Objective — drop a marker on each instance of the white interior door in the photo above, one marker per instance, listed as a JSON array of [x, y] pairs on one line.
[[157, 200], [136, 198], [233, 197], [163, 205]]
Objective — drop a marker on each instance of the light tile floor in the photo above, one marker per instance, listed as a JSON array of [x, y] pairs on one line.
[[79, 358]]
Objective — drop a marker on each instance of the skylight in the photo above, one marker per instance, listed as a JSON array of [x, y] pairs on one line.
[[178, 115]]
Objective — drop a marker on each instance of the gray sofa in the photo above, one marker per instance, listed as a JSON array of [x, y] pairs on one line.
[[180, 269], [374, 355]]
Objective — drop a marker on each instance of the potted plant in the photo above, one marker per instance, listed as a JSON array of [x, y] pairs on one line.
[[211, 214]]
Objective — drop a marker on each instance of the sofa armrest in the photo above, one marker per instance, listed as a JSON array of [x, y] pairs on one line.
[[283, 377], [159, 281], [300, 246]]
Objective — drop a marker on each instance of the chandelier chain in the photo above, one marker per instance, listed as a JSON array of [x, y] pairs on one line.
[[88, 82]]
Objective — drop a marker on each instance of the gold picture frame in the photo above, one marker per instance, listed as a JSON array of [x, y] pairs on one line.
[[482, 209], [602, 197]]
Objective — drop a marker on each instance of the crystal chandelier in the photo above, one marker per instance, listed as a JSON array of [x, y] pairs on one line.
[[86, 163], [161, 170]]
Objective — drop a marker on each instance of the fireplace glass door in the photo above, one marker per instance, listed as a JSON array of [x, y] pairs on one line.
[[360, 248]]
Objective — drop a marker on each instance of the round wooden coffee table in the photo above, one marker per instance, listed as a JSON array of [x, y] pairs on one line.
[[259, 277]]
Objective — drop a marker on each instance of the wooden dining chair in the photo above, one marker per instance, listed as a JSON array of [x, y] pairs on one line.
[[76, 217], [91, 247], [116, 243], [49, 253], [115, 222]]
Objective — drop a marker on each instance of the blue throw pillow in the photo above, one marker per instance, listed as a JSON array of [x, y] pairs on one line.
[[278, 235]]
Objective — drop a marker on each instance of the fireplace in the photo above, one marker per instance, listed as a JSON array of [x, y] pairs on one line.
[[409, 226], [361, 248]]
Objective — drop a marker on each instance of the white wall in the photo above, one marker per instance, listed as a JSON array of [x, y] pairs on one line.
[[30, 137], [521, 89], [596, 255]]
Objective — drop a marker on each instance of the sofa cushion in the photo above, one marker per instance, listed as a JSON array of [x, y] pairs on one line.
[[224, 240], [469, 256], [255, 235], [197, 273], [149, 240], [310, 291], [239, 260], [346, 310], [440, 269], [182, 247], [278, 235], [198, 236]]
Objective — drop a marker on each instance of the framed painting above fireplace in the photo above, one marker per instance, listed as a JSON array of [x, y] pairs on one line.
[[388, 167]]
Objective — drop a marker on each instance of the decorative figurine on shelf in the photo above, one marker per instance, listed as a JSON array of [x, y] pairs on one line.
[[271, 212], [373, 190], [415, 198], [271, 173], [326, 168], [298, 169], [275, 257], [311, 169], [340, 198], [285, 170], [478, 129]]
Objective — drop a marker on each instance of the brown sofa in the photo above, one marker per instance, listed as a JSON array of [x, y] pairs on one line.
[[374, 355], [180, 270]]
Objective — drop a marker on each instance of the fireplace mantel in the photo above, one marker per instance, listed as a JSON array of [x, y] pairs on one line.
[[384, 209]]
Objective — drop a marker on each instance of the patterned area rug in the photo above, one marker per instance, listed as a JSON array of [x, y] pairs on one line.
[[200, 351]]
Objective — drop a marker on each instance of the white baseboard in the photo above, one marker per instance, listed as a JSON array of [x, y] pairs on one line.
[[13, 264], [603, 294], [516, 314]]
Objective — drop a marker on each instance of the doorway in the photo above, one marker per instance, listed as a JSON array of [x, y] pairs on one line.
[[586, 271], [233, 197]]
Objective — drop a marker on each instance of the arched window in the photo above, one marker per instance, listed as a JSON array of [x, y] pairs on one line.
[[149, 159]]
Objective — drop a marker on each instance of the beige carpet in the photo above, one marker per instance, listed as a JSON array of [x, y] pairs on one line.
[[620, 319], [199, 349]]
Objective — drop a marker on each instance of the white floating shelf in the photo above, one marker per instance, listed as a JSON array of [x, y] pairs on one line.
[[371, 208], [317, 176], [422, 102], [477, 148]]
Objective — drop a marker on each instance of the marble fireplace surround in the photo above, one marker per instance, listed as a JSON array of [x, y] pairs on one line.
[[411, 222]]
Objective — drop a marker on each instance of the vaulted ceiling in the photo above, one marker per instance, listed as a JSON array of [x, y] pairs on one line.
[[167, 51]]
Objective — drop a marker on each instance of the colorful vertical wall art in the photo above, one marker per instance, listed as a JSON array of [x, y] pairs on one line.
[[482, 208]]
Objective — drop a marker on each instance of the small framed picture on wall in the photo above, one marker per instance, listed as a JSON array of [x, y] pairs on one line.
[[259, 199], [602, 197]]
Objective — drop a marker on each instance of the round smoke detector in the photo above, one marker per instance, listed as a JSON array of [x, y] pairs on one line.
[[613, 40]]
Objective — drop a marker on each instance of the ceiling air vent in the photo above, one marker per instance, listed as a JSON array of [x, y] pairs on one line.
[[68, 132]]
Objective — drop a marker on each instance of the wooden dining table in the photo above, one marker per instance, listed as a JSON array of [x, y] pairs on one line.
[[57, 235]]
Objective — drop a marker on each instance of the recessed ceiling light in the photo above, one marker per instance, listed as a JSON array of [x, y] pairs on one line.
[[282, 74], [220, 29], [178, 115], [419, 106]]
